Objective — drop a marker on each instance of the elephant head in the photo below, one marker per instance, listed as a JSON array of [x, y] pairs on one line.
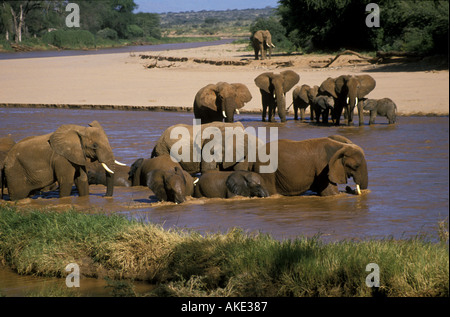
[[274, 87], [262, 41], [78, 144], [219, 102], [247, 184], [170, 185], [349, 162]]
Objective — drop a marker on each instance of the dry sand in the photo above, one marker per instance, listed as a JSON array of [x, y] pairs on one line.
[[123, 79]]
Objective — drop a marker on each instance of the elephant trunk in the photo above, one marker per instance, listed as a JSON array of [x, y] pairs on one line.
[[108, 163], [281, 104], [228, 107], [362, 177], [352, 102]]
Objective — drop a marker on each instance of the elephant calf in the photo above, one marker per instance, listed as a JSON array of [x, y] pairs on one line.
[[171, 185], [302, 98], [382, 107], [216, 184], [321, 106]]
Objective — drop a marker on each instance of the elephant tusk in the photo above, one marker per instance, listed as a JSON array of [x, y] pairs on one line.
[[196, 180], [119, 163], [107, 168], [272, 44], [223, 113], [358, 190], [356, 102], [237, 111], [348, 100]]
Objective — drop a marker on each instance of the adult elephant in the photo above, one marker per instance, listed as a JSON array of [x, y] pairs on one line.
[[262, 42], [318, 165], [39, 161], [273, 88], [219, 102], [348, 92], [212, 146], [302, 98], [6, 144], [215, 184]]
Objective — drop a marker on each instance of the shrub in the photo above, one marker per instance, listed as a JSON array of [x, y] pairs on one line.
[[70, 38], [107, 33]]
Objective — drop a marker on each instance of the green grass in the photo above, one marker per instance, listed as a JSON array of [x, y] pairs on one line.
[[183, 263]]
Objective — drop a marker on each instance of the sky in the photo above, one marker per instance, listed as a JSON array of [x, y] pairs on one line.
[[160, 6]]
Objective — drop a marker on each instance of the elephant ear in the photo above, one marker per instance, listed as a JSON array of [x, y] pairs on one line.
[[237, 184], [303, 93], [243, 95], [155, 181], [263, 81], [291, 79], [336, 172], [207, 96], [347, 156], [366, 85], [66, 141], [328, 86]]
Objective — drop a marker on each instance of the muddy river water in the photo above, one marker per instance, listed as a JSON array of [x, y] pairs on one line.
[[407, 165]]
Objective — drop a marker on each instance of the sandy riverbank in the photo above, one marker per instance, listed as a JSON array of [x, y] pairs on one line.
[[123, 80]]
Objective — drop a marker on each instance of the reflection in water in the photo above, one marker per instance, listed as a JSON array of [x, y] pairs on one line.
[[407, 163]]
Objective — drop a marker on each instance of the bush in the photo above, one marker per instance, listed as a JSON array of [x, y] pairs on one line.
[[134, 31], [107, 33], [70, 38]]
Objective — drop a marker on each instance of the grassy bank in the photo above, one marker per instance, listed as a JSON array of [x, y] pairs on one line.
[[185, 263]]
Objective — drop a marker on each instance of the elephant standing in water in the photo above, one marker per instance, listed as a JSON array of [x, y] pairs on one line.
[[273, 88], [219, 102], [348, 92], [193, 146], [215, 184], [39, 161], [382, 107], [261, 42], [302, 98], [6, 144], [318, 165]]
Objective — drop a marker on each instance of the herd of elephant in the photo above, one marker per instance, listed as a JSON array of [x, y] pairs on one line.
[[82, 156], [335, 96]]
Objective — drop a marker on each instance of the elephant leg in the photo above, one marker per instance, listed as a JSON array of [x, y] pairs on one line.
[[373, 115], [325, 115], [360, 112], [311, 113], [81, 181], [263, 52], [296, 109], [302, 114], [65, 174]]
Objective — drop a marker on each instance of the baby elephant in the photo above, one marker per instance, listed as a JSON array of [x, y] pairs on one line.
[[382, 107], [215, 184], [322, 105], [171, 185]]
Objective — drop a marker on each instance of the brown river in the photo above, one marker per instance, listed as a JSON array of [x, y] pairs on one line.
[[408, 165]]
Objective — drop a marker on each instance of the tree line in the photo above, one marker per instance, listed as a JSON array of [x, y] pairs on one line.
[[108, 19]]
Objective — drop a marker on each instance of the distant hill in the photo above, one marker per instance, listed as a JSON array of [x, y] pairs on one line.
[[213, 18]]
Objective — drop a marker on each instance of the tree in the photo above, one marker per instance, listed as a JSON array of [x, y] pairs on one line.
[[19, 11]]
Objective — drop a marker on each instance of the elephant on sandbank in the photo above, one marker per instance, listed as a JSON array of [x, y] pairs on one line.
[[317, 164], [262, 42], [39, 161], [219, 102], [217, 184]]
